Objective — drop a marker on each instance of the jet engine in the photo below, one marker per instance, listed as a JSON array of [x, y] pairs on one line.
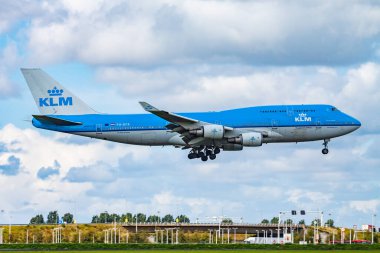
[[215, 132], [252, 139]]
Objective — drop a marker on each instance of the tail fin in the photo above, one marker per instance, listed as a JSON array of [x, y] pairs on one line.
[[51, 97]]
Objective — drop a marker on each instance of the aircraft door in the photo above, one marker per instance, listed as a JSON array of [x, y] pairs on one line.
[[98, 128], [318, 127], [289, 111]]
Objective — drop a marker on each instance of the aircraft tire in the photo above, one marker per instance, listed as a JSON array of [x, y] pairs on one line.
[[325, 151], [212, 157], [204, 158]]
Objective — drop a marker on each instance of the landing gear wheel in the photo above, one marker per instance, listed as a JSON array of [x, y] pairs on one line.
[[212, 156], [325, 151], [192, 155], [216, 150], [208, 152], [204, 158], [201, 154]]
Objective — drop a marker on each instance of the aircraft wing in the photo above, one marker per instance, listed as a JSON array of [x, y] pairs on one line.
[[171, 117], [178, 123]]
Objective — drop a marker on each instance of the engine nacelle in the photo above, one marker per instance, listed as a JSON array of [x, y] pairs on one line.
[[215, 132], [252, 139]]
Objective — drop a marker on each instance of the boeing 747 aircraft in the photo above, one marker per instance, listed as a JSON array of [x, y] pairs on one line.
[[203, 133]]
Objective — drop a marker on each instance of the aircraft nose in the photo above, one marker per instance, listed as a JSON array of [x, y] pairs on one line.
[[356, 123]]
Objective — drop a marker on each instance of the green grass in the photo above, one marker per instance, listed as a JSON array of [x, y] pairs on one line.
[[207, 251]]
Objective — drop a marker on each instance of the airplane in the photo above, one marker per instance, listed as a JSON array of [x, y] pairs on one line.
[[204, 134]]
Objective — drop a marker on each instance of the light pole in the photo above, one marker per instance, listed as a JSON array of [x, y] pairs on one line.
[[329, 225], [136, 224], [264, 237], [271, 235], [10, 227], [278, 226], [372, 227]]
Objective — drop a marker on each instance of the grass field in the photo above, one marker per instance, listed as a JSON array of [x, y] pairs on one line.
[[208, 251]]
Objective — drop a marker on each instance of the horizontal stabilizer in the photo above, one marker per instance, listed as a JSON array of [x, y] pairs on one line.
[[55, 121]]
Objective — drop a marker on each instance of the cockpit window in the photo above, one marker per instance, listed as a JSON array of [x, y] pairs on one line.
[[334, 109]]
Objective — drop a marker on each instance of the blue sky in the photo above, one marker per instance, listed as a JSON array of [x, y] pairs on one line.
[[191, 56]]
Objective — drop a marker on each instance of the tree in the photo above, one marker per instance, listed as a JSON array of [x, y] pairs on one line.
[[182, 219], [140, 217], [53, 217], [264, 221], [274, 220], [128, 217], [153, 218], [316, 222], [68, 218], [38, 219], [289, 221], [330, 223], [227, 221], [168, 218], [95, 219], [301, 222], [104, 217], [114, 218]]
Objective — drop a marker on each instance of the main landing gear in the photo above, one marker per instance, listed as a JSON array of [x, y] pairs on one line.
[[325, 150], [204, 153]]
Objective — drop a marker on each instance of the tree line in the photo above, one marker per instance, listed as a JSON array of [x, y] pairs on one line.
[[104, 217], [274, 220], [52, 218]]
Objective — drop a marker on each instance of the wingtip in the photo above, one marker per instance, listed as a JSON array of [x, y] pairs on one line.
[[147, 107], [26, 70]]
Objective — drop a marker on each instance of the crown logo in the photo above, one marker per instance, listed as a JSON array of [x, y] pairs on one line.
[[302, 114], [55, 92]]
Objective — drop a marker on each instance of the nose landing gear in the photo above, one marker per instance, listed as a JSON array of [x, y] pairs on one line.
[[325, 150]]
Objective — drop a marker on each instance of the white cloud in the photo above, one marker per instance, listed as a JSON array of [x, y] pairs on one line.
[[12, 11], [9, 58], [36, 151], [365, 206], [147, 33], [196, 207], [302, 197]]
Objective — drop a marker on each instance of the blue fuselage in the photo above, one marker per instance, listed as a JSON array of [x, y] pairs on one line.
[[284, 123]]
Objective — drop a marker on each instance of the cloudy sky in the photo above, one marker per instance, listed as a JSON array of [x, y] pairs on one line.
[[191, 56]]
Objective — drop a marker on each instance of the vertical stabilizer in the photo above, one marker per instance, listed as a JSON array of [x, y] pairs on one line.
[[51, 97]]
